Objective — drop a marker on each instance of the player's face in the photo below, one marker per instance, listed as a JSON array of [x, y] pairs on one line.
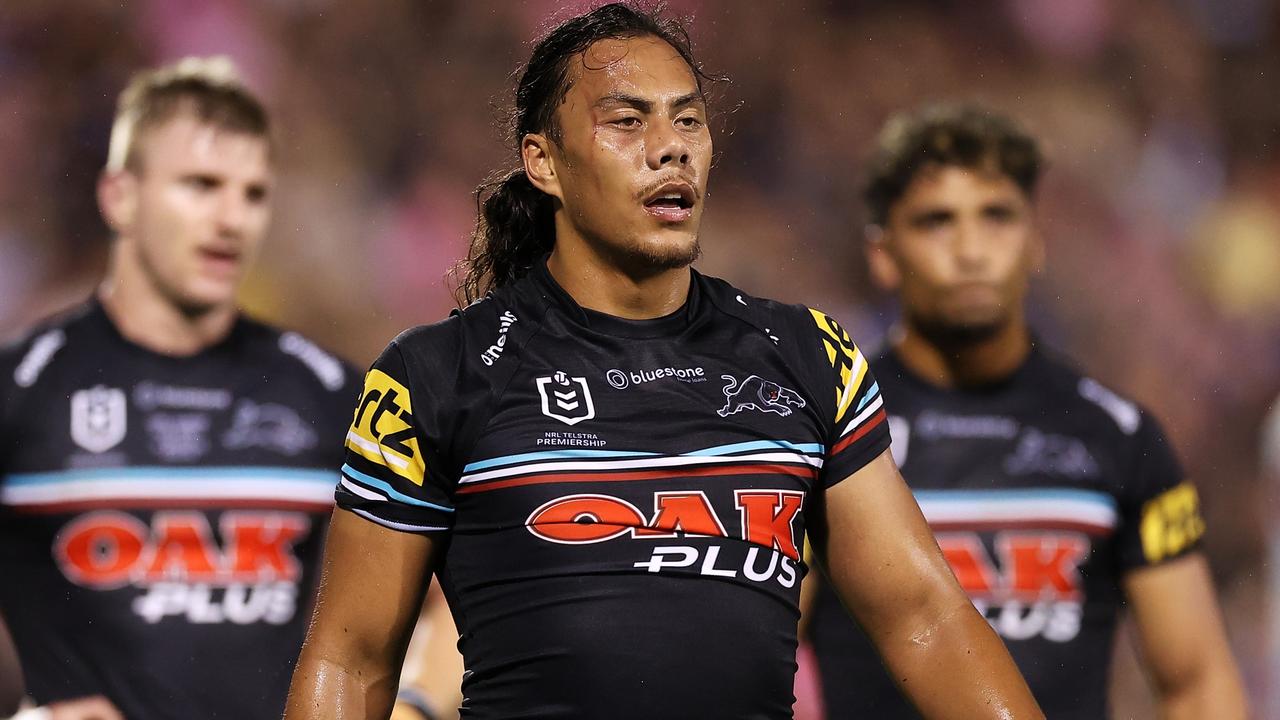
[[200, 208], [634, 153], [959, 247]]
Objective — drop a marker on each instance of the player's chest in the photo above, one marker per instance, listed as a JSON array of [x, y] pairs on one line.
[[1023, 507], [662, 435], [991, 470], [129, 418]]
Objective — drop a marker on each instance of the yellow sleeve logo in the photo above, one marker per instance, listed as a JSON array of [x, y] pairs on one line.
[[383, 431], [845, 359], [1171, 522]]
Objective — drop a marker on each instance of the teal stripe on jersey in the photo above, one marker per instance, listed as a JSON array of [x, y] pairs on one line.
[[177, 474], [811, 448], [373, 482], [815, 448], [871, 392], [969, 495], [551, 455]]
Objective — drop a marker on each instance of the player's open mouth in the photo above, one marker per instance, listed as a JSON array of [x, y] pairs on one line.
[[672, 202], [222, 260]]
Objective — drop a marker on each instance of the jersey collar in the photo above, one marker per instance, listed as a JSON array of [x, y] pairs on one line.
[[665, 326]]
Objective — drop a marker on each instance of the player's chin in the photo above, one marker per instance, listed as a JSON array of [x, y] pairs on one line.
[[669, 248], [206, 294]]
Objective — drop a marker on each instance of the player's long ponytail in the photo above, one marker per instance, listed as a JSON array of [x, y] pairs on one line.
[[515, 223]]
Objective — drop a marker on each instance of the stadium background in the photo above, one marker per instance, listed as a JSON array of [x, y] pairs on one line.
[[1161, 206]]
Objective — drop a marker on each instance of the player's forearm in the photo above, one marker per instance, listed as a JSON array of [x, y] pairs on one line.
[[327, 689], [950, 664], [1215, 693]]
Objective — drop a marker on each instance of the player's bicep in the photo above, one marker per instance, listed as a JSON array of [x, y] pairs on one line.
[[371, 588], [1177, 618], [880, 554]]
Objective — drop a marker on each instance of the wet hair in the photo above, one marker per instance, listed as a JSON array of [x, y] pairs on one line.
[[514, 224], [947, 135], [207, 87]]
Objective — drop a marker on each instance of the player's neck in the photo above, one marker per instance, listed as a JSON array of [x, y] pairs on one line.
[[597, 284], [145, 316], [965, 364]]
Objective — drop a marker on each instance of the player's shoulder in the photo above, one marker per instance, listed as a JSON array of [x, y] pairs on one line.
[[1111, 411], [772, 318], [482, 340], [25, 357], [270, 344]]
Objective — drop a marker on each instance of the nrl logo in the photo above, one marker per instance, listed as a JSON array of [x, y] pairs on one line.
[[756, 393], [566, 399], [99, 418]]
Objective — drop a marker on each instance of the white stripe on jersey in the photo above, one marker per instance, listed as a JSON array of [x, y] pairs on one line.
[[374, 448], [867, 412], [996, 510], [645, 463], [406, 527]]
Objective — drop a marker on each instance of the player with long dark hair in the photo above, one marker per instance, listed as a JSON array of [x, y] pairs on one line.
[[611, 461]]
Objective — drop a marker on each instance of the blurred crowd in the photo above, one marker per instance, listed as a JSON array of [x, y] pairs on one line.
[[1161, 206]]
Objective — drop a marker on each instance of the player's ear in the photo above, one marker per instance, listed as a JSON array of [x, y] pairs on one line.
[[881, 263], [118, 199], [540, 164]]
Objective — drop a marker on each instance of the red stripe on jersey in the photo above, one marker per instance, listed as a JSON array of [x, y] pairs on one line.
[[1026, 524], [856, 434]]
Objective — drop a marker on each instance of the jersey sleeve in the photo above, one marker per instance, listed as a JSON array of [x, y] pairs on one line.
[[1160, 512], [857, 429], [393, 473]]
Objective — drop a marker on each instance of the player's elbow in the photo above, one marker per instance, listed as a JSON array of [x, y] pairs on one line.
[[914, 613], [339, 679]]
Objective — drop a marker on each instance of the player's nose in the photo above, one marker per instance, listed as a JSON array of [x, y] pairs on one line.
[[665, 147], [233, 213], [969, 246]]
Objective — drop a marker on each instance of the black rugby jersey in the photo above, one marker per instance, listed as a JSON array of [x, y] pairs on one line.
[[1042, 491], [161, 518], [623, 502]]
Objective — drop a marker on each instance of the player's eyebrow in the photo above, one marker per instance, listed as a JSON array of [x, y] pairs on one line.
[[693, 98], [645, 106]]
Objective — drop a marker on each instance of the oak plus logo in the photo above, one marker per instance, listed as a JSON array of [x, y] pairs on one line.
[[567, 399], [768, 525], [250, 576], [1028, 586], [99, 418]]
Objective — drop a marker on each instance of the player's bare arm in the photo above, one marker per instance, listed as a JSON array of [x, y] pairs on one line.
[[1183, 641], [883, 561], [431, 683], [372, 586]]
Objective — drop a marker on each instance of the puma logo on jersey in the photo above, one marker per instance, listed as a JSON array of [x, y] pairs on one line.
[[756, 393], [383, 430]]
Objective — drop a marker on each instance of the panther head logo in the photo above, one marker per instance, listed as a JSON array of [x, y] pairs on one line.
[[756, 393]]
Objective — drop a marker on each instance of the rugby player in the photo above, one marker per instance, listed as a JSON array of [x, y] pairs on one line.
[[166, 462], [611, 460], [1057, 502]]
